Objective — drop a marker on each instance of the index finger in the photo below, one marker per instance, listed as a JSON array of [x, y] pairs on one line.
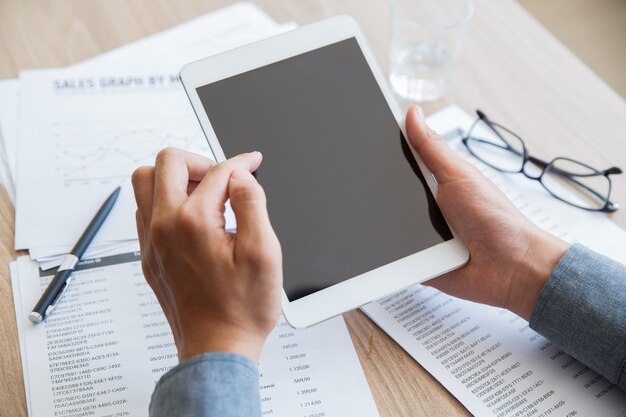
[[143, 186], [174, 169]]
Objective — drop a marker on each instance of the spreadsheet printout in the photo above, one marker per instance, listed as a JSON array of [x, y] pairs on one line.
[[108, 343]]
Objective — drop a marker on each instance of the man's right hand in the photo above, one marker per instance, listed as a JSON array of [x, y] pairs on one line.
[[510, 257], [220, 291]]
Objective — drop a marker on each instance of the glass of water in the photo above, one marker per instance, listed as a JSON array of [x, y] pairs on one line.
[[426, 40]]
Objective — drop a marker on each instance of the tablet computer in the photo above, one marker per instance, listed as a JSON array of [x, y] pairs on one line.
[[352, 204]]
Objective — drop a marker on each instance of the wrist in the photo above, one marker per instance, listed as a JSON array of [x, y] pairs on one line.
[[532, 272], [212, 338]]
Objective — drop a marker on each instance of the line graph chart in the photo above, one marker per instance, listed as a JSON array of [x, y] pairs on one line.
[[102, 152], [75, 148]]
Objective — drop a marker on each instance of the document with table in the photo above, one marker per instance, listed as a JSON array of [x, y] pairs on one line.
[[108, 343], [489, 358]]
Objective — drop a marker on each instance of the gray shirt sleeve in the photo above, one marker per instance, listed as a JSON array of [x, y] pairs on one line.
[[208, 385], [582, 308]]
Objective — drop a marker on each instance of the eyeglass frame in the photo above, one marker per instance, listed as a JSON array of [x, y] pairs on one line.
[[609, 206]]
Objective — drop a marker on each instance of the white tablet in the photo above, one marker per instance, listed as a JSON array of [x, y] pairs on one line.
[[351, 203]]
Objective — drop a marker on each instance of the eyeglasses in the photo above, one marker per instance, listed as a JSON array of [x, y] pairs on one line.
[[570, 181]]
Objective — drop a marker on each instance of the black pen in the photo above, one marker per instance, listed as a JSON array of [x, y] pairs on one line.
[[62, 278]]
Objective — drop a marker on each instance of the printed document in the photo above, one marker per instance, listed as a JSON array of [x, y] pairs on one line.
[[218, 31], [489, 358], [65, 107], [88, 133], [106, 345]]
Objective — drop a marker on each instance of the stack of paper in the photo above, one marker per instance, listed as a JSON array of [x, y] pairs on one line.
[[82, 130]]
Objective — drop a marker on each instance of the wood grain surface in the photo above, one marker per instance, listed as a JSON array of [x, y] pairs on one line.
[[511, 68]]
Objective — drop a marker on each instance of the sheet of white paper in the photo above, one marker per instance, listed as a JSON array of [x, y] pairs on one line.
[[8, 134], [218, 31], [222, 30], [8, 120], [489, 358], [6, 180], [82, 136], [108, 343], [205, 35]]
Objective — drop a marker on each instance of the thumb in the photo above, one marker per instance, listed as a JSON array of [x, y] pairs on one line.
[[440, 159], [248, 202]]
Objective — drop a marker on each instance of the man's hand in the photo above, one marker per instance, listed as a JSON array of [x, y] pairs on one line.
[[219, 291], [511, 258]]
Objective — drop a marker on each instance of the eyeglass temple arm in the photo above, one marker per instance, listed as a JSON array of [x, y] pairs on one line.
[[612, 171], [543, 164]]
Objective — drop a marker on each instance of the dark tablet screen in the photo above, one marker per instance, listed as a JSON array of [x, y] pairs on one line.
[[344, 193]]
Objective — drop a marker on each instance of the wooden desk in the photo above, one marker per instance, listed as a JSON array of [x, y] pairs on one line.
[[511, 67]]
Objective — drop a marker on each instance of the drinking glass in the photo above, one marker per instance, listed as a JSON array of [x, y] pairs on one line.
[[426, 40]]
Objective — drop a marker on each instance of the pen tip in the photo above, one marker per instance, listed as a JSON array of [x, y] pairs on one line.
[[115, 194]]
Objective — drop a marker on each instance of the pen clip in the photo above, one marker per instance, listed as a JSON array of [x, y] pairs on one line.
[[58, 297]]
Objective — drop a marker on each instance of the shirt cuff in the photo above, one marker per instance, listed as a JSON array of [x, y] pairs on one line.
[[582, 308], [209, 384]]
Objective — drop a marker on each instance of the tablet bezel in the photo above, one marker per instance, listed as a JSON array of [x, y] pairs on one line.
[[375, 284]]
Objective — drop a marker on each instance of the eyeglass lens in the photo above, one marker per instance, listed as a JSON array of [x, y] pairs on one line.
[[496, 146], [577, 184]]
